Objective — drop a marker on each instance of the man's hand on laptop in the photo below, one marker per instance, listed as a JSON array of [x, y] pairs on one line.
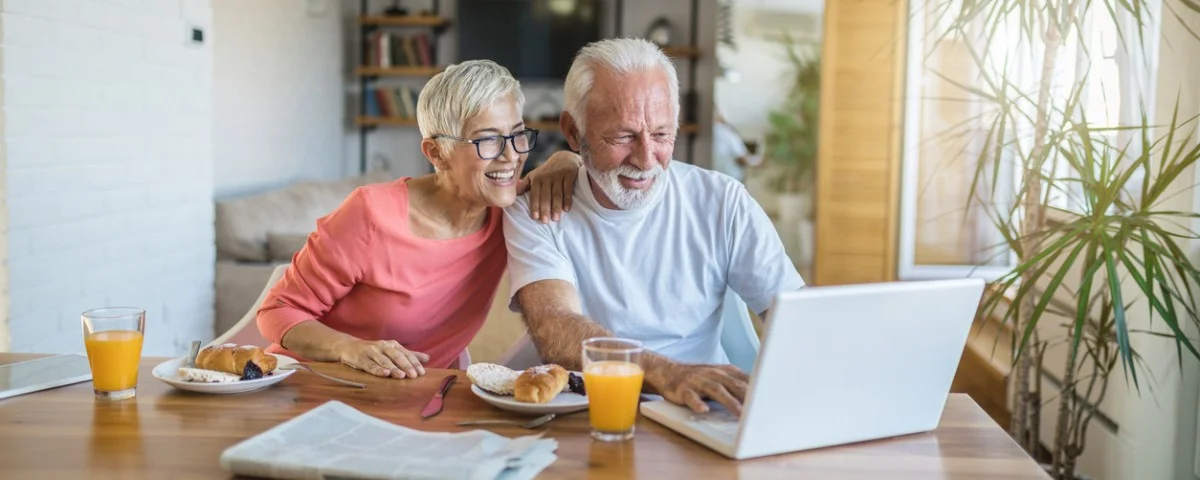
[[690, 385]]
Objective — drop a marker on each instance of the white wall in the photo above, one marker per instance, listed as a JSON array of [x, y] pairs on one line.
[[109, 178], [5, 336], [760, 61], [279, 93], [1187, 434], [1160, 426], [398, 148]]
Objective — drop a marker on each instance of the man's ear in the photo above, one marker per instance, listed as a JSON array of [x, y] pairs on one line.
[[571, 131], [433, 153]]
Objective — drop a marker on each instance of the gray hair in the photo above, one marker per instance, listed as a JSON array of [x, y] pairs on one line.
[[454, 96], [622, 56]]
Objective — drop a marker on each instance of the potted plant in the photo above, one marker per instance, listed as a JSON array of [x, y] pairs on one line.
[[789, 150], [1116, 248], [790, 146]]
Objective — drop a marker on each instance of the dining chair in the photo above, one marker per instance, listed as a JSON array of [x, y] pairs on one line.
[[738, 338], [245, 331]]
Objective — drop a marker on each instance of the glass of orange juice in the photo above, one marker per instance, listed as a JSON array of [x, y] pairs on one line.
[[113, 337], [612, 374]]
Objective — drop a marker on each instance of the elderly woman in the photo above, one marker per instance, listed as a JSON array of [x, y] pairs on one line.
[[402, 275]]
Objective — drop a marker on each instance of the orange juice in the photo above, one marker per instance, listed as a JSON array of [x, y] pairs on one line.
[[114, 356], [613, 389]]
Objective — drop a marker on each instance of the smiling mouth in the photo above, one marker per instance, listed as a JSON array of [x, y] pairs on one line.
[[636, 182], [501, 175]]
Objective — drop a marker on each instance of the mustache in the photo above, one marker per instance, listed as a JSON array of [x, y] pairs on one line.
[[623, 170]]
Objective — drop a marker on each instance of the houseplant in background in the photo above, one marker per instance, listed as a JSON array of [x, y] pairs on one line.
[[1085, 220], [790, 145]]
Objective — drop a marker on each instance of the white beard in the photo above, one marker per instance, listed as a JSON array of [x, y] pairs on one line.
[[610, 182]]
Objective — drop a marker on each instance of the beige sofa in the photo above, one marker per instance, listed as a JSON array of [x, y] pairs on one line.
[[255, 233]]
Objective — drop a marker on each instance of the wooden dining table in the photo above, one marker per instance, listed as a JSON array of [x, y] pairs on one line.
[[164, 432]]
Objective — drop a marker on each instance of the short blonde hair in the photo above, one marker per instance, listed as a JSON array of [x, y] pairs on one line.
[[622, 56], [454, 96]]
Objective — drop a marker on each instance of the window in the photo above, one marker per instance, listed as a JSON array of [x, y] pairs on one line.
[[939, 236]]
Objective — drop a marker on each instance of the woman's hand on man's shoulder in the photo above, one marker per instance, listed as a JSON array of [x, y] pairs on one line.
[[551, 186]]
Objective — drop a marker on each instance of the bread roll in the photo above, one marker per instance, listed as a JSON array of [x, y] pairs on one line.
[[540, 384], [230, 358]]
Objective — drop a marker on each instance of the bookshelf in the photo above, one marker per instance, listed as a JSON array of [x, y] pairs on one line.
[[397, 45], [401, 71], [366, 121], [685, 51], [387, 106], [403, 21]]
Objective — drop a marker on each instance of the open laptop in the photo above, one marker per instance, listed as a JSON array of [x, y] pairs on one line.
[[842, 364]]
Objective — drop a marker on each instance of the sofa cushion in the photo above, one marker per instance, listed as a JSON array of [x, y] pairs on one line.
[[282, 246], [238, 286], [242, 223]]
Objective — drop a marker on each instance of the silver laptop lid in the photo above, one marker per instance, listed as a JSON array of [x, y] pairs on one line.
[[853, 363]]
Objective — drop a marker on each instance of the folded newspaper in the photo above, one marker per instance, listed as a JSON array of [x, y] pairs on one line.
[[336, 441]]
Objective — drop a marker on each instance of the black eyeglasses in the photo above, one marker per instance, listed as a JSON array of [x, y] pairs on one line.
[[492, 146]]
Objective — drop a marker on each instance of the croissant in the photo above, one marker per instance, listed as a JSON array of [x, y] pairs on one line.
[[540, 384], [247, 361]]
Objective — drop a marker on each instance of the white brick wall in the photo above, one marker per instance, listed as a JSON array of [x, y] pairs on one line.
[[107, 140]]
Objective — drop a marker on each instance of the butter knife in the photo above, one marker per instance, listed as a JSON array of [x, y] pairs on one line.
[[434, 406]]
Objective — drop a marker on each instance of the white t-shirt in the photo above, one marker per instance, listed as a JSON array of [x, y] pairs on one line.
[[657, 273]]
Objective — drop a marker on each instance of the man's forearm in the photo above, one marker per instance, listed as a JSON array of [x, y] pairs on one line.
[[656, 367], [558, 329], [560, 340]]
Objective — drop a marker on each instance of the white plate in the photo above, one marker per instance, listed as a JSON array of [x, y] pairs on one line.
[[565, 402], [168, 372]]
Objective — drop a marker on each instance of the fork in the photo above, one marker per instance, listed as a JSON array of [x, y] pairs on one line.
[[191, 358], [301, 366]]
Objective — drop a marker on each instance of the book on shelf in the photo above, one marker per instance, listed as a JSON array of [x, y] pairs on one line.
[[390, 49], [408, 99], [392, 102]]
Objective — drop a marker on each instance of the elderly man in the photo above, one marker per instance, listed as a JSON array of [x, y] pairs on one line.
[[651, 245]]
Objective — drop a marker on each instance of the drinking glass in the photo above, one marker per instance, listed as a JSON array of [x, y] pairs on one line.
[[613, 375], [113, 337]]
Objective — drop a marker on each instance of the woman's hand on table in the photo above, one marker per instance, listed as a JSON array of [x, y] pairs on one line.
[[382, 358], [551, 186]]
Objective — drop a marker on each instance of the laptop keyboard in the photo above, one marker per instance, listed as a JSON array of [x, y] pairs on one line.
[[720, 420]]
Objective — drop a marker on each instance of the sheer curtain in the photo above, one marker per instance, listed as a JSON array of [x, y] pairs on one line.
[[946, 128]]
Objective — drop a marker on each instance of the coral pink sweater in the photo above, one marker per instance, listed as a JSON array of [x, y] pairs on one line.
[[363, 272]]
